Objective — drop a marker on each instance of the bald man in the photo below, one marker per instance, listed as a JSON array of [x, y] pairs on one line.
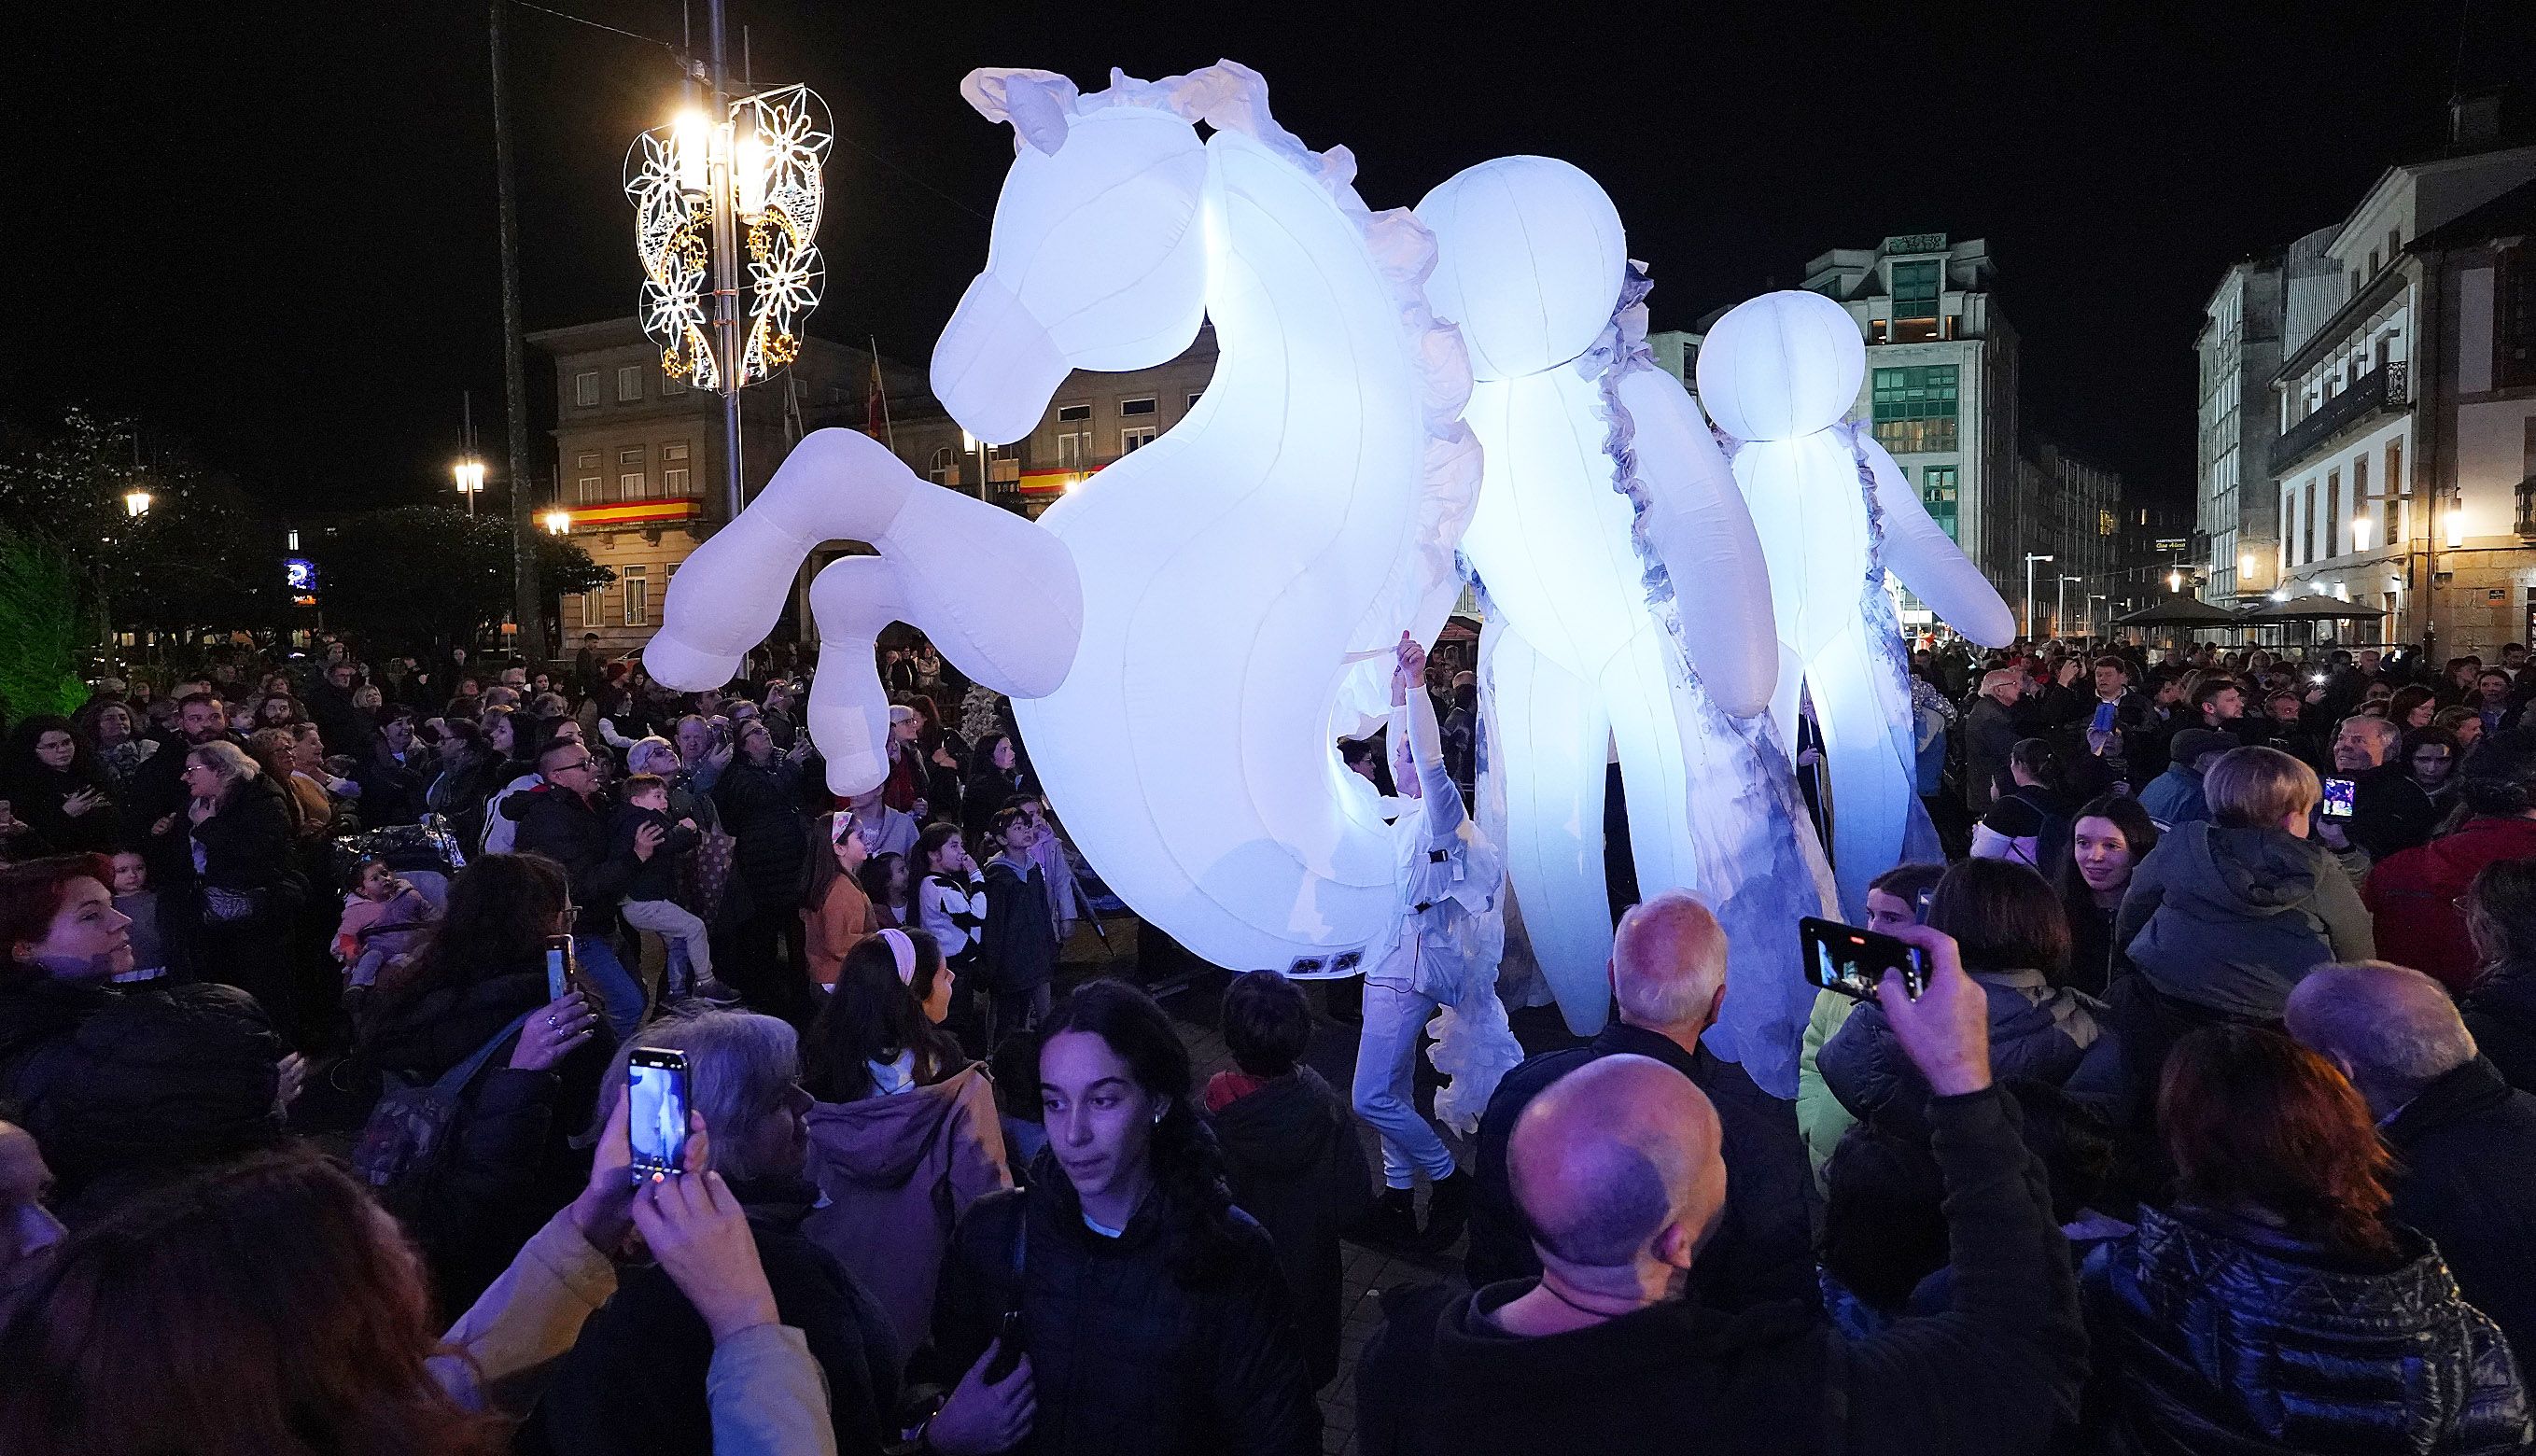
[[1668, 974], [2465, 1142], [1619, 1170]]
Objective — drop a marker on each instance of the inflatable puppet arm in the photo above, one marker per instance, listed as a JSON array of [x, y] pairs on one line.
[[1700, 527], [1930, 563]]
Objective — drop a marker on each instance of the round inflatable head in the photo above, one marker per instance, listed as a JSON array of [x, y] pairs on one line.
[[1531, 258], [1780, 366]]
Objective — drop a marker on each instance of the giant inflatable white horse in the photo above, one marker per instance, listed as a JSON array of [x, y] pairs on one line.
[[1175, 632], [1607, 504], [1778, 373]]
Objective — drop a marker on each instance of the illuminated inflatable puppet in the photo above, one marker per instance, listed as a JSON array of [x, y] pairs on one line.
[[1604, 495], [1778, 373]]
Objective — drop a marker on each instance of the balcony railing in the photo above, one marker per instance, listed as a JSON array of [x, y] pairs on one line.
[[2386, 387]]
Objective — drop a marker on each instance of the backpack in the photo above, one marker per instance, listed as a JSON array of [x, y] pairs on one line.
[[407, 1134]]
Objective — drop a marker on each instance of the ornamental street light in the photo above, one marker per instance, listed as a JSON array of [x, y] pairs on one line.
[[471, 480], [729, 176], [558, 522], [136, 502]]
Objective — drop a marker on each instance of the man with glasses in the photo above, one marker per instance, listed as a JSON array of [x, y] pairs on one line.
[[566, 819]]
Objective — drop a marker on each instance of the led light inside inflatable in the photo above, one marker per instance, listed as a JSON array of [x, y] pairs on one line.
[[1602, 488], [1288, 526], [1778, 373]]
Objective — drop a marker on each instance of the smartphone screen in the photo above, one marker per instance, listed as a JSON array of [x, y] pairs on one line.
[[2340, 795], [559, 971], [1852, 961], [655, 1116]]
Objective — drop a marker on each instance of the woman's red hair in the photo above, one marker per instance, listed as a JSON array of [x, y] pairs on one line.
[[30, 895], [2253, 1118]]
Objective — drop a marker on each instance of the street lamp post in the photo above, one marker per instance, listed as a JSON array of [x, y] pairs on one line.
[[726, 202], [471, 481], [2030, 559]]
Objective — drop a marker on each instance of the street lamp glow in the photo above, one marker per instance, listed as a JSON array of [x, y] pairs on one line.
[[558, 522], [2245, 563], [470, 477], [2175, 580], [692, 140], [749, 163], [136, 502], [2456, 524], [2363, 529]]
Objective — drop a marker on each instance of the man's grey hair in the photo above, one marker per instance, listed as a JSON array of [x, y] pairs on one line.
[[2396, 1027], [2382, 729], [1669, 958], [645, 753], [739, 1066]]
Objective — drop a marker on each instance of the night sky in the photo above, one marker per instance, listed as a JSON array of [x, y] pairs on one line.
[[268, 229]]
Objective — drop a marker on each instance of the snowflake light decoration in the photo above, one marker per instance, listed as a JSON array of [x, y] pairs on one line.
[[673, 237]]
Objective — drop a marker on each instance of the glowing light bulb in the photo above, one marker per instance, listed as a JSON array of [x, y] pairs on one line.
[[749, 163], [2363, 530], [692, 140], [2456, 524]]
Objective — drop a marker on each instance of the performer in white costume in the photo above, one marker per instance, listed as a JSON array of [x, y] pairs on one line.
[[1440, 951]]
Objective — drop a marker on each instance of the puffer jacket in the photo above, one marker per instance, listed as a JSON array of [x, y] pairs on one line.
[[899, 1172], [124, 1087], [1125, 1359], [2219, 1337], [1292, 1159], [761, 809], [2415, 896], [2038, 1033], [2231, 918]]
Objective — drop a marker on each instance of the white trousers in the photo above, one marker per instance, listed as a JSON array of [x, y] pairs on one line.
[[670, 921], [1385, 1088]]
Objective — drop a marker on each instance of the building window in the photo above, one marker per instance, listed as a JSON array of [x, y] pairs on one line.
[[673, 384], [1142, 406], [2333, 512], [1195, 394], [589, 490], [1915, 301], [2308, 536], [1937, 490], [588, 460], [629, 474], [1067, 413], [1132, 440], [1074, 451], [2395, 468], [594, 608], [585, 390], [638, 595], [940, 472], [673, 469], [1915, 407], [629, 384]]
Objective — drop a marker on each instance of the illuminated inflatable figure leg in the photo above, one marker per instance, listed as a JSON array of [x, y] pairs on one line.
[[1871, 787], [1656, 776], [1553, 745]]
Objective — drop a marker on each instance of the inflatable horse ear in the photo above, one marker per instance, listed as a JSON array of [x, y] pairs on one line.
[[1037, 102]]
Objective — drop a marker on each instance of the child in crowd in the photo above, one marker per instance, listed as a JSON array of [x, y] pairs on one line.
[[385, 921], [1018, 941], [884, 881], [651, 898], [951, 900], [1291, 1152], [134, 898]]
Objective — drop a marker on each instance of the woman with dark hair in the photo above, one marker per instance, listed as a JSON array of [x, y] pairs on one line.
[[152, 1332], [1149, 1311], [759, 798], [2501, 1006], [2015, 944], [2028, 825], [2412, 708], [2272, 1307], [2108, 838], [122, 1085], [114, 727], [940, 757], [481, 979], [54, 782], [994, 777], [904, 1137]]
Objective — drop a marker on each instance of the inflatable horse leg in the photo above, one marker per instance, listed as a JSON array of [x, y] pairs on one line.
[[1552, 747], [1657, 778], [1872, 787], [840, 485]]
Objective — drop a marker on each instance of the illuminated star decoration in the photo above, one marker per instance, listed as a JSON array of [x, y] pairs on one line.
[[672, 237]]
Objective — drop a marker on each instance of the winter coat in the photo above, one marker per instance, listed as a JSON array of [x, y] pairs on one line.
[[509, 1163], [1018, 944], [2414, 896], [246, 847], [761, 809], [2502, 1014], [2173, 798], [2231, 918], [636, 1379], [953, 911], [124, 1088], [1125, 1357], [899, 1172], [655, 878], [577, 834], [1294, 1162], [843, 918], [36, 795], [2038, 1033], [1996, 1374], [2390, 813], [1991, 731], [1762, 1251], [2220, 1337], [1820, 1119], [2465, 1174]]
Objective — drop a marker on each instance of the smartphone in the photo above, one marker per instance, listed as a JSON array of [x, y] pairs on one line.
[[561, 974], [1009, 1353], [2339, 797], [2104, 722], [655, 1116], [1851, 961]]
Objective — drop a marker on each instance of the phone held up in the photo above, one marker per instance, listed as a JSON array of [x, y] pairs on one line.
[[561, 974], [2340, 796], [656, 1114], [1852, 961]]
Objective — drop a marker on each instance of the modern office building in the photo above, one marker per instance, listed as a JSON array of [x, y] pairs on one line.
[[1941, 388], [2070, 511]]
